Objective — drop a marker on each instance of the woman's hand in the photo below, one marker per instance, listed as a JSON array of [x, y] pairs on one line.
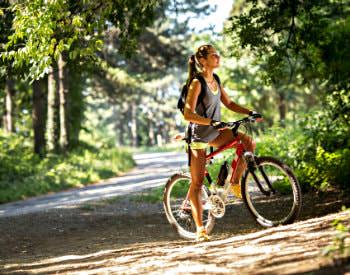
[[218, 125], [258, 117]]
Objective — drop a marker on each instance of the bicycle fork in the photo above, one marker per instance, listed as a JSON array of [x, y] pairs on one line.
[[252, 165]]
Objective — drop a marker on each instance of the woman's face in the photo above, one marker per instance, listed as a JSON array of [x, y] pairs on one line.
[[212, 60]]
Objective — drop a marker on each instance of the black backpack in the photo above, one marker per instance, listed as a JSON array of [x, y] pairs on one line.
[[182, 99]]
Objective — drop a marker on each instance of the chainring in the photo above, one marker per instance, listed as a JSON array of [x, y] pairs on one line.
[[217, 206]]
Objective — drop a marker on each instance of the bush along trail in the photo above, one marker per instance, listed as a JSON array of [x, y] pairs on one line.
[[24, 174]]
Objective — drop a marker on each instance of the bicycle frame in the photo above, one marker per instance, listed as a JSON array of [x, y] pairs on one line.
[[239, 152]]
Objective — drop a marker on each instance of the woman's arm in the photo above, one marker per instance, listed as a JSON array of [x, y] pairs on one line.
[[191, 103], [225, 99]]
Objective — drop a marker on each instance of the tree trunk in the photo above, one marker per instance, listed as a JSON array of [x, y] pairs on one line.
[[117, 127], [282, 108], [134, 125], [159, 136], [121, 127], [8, 114], [75, 102], [38, 116], [62, 91], [51, 112], [151, 134]]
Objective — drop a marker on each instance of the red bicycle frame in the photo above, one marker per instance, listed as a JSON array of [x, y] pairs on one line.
[[239, 152]]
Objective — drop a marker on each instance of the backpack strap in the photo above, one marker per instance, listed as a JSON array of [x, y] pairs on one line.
[[202, 94], [189, 135]]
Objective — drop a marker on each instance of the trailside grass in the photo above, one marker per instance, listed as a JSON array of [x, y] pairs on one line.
[[23, 174]]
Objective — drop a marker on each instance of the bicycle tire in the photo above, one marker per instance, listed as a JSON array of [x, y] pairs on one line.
[[180, 218], [272, 209]]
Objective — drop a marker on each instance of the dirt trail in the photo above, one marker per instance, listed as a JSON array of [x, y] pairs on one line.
[[128, 237], [153, 169]]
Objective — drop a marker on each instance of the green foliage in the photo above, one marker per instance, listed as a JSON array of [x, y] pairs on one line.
[[42, 31], [317, 148], [283, 31], [23, 174], [298, 43]]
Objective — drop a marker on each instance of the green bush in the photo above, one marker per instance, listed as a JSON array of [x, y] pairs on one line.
[[23, 174], [317, 148]]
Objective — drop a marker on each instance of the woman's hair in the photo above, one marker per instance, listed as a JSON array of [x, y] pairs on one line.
[[194, 67]]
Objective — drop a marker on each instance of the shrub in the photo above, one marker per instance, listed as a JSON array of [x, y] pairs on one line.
[[317, 148], [23, 174]]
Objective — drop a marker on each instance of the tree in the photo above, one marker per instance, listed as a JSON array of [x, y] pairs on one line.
[[38, 115], [44, 31], [6, 83], [307, 37]]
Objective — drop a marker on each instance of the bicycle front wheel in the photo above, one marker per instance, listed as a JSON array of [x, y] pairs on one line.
[[271, 192], [178, 208]]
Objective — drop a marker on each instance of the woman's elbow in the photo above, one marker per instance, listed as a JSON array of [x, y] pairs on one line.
[[187, 114]]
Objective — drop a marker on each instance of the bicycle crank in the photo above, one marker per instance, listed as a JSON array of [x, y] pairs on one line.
[[217, 206]]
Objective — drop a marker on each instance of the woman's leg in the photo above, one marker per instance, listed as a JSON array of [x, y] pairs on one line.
[[197, 175], [249, 145]]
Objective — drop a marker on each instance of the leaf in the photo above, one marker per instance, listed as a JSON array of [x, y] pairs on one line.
[[77, 21], [99, 44]]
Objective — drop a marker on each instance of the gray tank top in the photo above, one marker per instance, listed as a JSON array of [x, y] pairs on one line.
[[212, 103]]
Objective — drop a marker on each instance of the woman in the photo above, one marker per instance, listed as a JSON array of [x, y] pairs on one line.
[[206, 128]]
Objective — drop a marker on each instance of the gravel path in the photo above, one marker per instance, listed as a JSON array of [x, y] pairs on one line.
[[152, 170]]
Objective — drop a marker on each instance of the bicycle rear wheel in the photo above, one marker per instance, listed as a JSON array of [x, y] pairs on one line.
[[271, 192], [178, 209]]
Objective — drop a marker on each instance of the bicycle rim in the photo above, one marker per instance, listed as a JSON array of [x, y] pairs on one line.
[[278, 205], [178, 209]]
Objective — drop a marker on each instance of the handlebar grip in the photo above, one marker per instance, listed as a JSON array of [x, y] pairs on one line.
[[255, 114]]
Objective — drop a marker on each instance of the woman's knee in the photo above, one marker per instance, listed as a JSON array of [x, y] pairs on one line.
[[249, 143]]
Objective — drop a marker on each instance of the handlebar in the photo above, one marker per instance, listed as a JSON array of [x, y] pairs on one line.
[[236, 124]]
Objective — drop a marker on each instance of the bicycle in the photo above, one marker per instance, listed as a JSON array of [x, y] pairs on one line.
[[269, 189]]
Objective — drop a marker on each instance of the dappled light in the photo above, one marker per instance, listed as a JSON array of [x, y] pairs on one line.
[[275, 250], [109, 114]]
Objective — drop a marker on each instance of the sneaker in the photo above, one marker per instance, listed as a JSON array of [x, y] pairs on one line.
[[236, 190], [202, 235]]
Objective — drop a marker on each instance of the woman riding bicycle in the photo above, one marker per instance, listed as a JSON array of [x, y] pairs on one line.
[[206, 128]]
